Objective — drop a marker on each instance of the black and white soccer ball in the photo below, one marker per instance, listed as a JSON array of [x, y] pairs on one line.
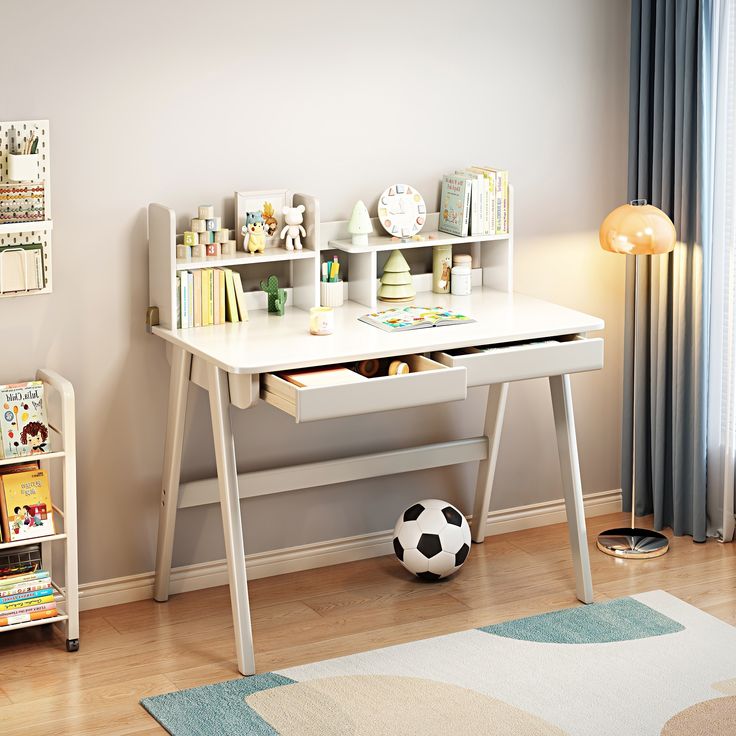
[[432, 539]]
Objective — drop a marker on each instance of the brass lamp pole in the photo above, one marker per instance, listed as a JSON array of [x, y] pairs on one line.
[[636, 229]]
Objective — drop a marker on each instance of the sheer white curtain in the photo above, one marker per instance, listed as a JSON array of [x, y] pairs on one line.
[[719, 235]]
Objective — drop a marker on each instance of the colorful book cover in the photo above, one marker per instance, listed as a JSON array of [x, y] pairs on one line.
[[402, 319], [26, 505], [23, 419], [455, 205]]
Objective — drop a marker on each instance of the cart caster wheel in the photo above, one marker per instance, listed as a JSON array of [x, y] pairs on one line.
[[72, 645]]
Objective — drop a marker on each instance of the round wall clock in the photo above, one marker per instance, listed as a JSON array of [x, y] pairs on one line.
[[402, 211]]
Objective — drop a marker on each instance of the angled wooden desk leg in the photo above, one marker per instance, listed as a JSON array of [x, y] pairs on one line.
[[495, 409], [572, 487], [181, 363], [227, 480]]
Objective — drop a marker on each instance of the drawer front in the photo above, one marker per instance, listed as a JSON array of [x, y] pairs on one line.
[[428, 383], [533, 360]]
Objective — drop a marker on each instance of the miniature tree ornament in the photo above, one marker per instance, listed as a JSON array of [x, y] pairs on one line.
[[360, 224]]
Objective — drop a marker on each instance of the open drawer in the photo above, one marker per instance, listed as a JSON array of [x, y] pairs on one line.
[[519, 361], [428, 383]]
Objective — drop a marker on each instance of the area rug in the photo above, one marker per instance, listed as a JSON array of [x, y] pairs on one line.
[[649, 664]]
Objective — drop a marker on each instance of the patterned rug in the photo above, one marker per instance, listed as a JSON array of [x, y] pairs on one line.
[[649, 664]]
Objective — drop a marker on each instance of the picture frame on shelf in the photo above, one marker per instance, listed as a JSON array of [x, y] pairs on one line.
[[270, 203]]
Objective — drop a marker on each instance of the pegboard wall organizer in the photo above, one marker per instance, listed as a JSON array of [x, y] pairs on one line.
[[25, 208]]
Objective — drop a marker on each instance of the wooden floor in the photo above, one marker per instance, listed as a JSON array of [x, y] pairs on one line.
[[131, 651]]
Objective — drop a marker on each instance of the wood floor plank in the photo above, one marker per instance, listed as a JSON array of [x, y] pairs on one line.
[[144, 648]]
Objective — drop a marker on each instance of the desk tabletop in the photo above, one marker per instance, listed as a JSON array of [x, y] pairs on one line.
[[272, 343]]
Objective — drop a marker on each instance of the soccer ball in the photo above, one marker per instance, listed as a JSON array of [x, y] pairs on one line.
[[432, 539]]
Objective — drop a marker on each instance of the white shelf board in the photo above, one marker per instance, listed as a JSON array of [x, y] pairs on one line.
[[26, 227], [244, 259], [31, 458], [385, 242], [34, 540], [27, 624]]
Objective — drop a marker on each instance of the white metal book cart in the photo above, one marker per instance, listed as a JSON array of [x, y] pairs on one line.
[[514, 337], [59, 397]]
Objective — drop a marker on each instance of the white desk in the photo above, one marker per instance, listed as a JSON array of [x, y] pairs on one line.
[[232, 363]]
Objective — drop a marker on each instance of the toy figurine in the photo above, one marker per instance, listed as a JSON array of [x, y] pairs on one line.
[[293, 217], [276, 296], [254, 234]]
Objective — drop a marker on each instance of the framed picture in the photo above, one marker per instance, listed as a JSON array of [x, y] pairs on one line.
[[270, 204]]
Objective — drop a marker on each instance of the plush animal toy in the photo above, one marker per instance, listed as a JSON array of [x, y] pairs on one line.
[[293, 217], [254, 235]]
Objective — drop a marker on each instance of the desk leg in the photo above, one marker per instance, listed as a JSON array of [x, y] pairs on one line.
[[571, 485], [227, 479], [487, 468], [181, 363]]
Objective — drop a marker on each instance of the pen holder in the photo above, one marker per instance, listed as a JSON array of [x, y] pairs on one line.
[[23, 166], [331, 293]]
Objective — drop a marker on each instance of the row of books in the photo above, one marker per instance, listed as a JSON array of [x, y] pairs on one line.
[[26, 596], [26, 511], [475, 201], [209, 296], [23, 422]]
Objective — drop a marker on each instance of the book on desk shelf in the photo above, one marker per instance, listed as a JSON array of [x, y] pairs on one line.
[[401, 319], [23, 421], [455, 205], [209, 296], [26, 597], [475, 201]]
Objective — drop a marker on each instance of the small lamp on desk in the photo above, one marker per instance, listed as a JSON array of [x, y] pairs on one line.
[[636, 229]]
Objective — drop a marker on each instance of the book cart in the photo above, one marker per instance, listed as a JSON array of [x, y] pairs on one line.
[[61, 466]]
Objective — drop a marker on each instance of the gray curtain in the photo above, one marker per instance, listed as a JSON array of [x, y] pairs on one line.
[[665, 120]]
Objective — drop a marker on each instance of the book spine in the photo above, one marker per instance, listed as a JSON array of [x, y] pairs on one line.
[[23, 618], [15, 605], [466, 208], [211, 301], [499, 205], [184, 294], [23, 589], [26, 596], [190, 294], [178, 301], [505, 194], [29, 577], [198, 298], [223, 297]]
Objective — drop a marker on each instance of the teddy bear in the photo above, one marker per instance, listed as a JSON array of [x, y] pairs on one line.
[[293, 217], [254, 235]]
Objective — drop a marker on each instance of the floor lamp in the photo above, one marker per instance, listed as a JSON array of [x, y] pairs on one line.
[[636, 229]]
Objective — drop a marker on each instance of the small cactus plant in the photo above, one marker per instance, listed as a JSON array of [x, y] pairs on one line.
[[276, 296]]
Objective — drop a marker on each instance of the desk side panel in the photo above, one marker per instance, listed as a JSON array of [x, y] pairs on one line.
[[162, 263]]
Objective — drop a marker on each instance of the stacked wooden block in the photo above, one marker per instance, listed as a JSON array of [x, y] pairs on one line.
[[206, 237]]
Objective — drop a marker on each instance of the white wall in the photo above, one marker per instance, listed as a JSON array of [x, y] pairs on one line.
[[183, 102]]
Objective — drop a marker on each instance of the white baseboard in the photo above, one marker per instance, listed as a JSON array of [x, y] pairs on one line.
[[309, 556]]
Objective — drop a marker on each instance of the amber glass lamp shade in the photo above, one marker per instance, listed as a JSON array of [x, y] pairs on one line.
[[639, 230]]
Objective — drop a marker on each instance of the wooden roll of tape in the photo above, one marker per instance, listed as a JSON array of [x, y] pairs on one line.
[[369, 368], [398, 368]]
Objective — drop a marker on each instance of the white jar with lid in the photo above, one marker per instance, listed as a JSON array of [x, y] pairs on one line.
[[462, 275]]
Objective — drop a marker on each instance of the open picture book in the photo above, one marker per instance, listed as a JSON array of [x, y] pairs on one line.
[[401, 319]]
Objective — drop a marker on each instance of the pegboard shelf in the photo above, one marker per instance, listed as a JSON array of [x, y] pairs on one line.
[[38, 226], [25, 208]]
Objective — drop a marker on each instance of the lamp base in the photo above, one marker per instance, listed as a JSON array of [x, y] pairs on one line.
[[632, 543]]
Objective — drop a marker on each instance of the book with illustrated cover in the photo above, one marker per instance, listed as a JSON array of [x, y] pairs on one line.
[[25, 503], [402, 319], [455, 205], [23, 419]]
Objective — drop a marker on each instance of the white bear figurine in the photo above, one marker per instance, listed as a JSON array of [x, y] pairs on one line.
[[293, 217]]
